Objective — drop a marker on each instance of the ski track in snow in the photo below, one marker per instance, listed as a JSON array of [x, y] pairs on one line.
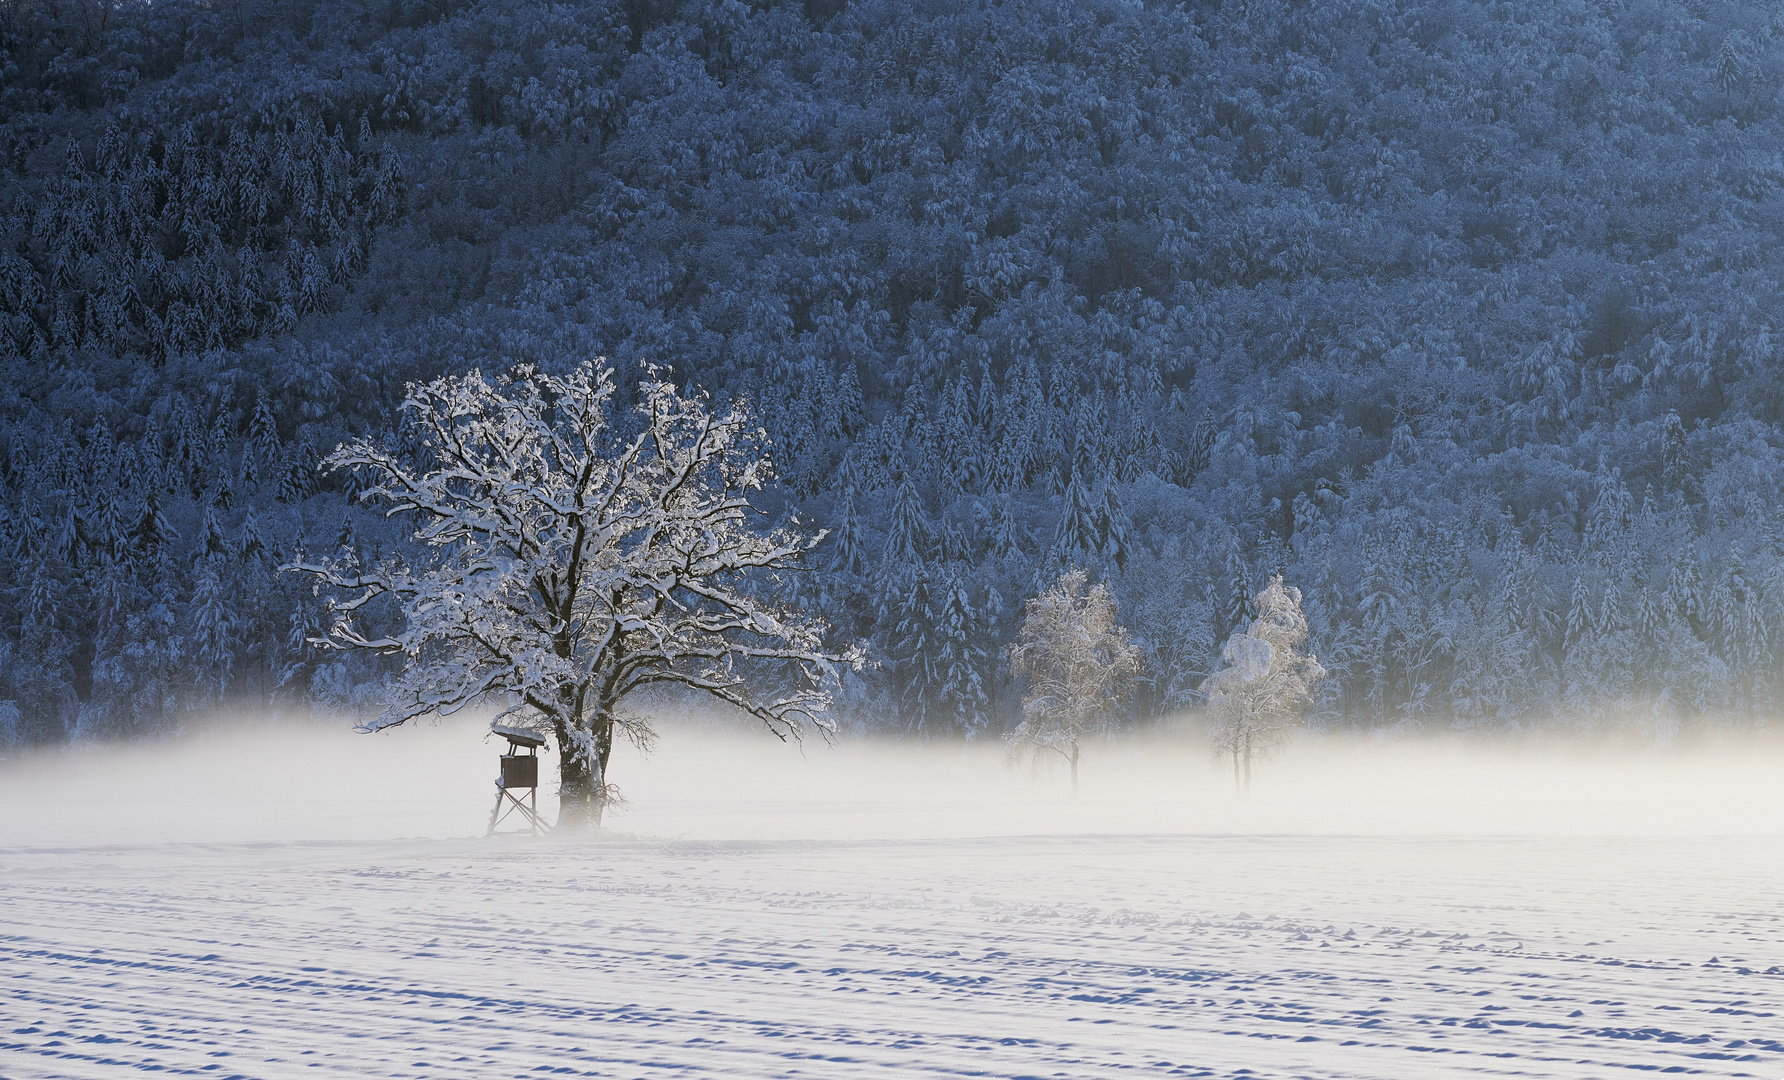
[[1083, 956]]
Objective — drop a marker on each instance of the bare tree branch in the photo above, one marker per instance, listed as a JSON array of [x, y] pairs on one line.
[[566, 574]]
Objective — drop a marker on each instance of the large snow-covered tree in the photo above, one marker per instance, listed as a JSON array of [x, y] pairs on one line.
[[1264, 682], [1075, 659], [574, 557]]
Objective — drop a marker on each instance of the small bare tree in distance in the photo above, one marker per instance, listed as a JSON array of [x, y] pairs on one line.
[[1075, 659], [1265, 681], [574, 561]]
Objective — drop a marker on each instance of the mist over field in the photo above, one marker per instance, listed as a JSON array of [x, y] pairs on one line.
[[267, 779], [278, 896]]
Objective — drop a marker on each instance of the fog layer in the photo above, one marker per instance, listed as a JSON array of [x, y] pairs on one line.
[[255, 780]]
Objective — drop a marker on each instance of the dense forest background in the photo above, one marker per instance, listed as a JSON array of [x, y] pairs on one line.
[[1461, 314]]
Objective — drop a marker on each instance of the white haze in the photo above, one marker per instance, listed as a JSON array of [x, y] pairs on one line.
[[267, 780], [277, 899]]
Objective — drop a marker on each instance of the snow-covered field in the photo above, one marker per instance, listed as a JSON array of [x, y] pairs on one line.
[[861, 912]]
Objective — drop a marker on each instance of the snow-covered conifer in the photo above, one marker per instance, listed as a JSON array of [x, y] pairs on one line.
[[848, 403], [1114, 529], [263, 429], [909, 539], [211, 631], [152, 530], [1579, 613], [1078, 532], [1004, 536], [1675, 457], [849, 556], [212, 541], [1609, 518], [297, 477], [914, 653], [1684, 589], [1728, 69], [961, 663], [250, 544], [1235, 608]]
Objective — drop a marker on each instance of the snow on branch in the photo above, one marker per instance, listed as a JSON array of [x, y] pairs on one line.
[[1265, 682], [1076, 661], [572, 565]]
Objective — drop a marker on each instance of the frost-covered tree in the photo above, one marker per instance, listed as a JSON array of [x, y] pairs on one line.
[[1075, 659], [913, 651], [848, 556], [1077, 533], [961, 661], [567, 560], [909, 539], [1114, 529], [211, 633], [1235, 608], [1728, 71], [1674, 455], [1265, 681]]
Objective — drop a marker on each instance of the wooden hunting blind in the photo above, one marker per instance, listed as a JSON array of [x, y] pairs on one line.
[[517, 787]]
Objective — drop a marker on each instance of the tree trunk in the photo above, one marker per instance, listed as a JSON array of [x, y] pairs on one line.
[[582, 776], [1238, 788], [1248, 765], [1074, 771]]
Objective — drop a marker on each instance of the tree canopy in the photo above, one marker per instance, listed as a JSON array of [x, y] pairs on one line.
[[1265, 683], [566, 565], [1075, 661]]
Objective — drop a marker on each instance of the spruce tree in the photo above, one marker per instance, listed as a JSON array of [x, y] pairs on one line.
[[212, 541], [909, 540], [848, 556], [962, 665], [1114, 530], [915, 653], [211, 630], [1675, 466], [1579, 613], [1234, 611], [1077, 534]]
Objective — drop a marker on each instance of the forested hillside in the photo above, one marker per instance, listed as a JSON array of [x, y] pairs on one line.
[[1461, 315]]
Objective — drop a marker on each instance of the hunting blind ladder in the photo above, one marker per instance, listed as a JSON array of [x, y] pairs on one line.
[[517, 788]]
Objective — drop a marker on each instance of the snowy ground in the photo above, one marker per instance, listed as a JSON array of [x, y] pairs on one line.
[[810, 916]]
